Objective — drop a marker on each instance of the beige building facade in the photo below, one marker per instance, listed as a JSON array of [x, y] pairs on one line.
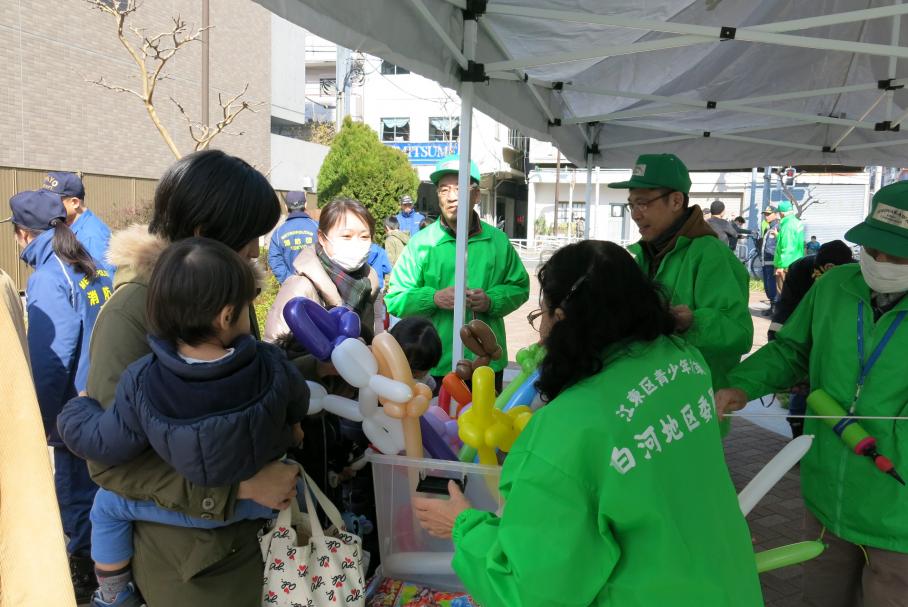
[[52, 117]]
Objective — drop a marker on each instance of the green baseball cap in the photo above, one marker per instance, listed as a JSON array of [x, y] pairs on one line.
[[785, 206], [451, 164], [657, 171], [886, 228]]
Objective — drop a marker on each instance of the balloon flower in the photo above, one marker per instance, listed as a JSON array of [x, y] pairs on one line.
[[392, 363], [478, 338], [331, 336], [317, 329], [485, 428]]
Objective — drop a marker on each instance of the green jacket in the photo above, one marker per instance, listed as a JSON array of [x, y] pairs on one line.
[[703, 274], [844, 490], [173, 566], [427, 266], [612, 503], [790, 246]]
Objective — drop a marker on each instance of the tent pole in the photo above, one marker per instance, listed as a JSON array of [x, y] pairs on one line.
[[588, 196], [896, 36], [464, 208], [598, 214]]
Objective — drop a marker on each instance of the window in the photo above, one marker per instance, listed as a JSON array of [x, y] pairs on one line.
[[444, 128], [327, 86], [574, 227], [389, 69], [395, 129]]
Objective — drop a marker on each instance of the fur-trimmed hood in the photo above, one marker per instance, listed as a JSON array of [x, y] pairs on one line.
[[134, 252]]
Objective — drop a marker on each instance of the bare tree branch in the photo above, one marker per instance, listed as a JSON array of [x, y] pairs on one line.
[[151, 54], [119, 89], [800, 206]]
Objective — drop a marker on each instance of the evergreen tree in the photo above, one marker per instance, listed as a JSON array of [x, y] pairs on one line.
[[359, 166]]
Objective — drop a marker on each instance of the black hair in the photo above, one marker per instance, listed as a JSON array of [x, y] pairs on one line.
[[212, 194], [420, 342], [333, 213], [68, 248], [391, 223], [606, 300], [835, 252], [192, 282]]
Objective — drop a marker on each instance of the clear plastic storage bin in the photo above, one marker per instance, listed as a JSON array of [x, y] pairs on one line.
[[407, 551]]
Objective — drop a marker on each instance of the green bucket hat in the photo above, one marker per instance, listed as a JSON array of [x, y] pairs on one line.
[[657, 171], [886, 228], [451, 164], [785, 206]]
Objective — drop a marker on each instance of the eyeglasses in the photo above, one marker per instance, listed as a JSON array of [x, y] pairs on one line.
[[642, 206], [533, 318], [447, 190]]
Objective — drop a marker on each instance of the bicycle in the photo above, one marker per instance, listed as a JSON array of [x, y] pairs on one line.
[[753, 260]]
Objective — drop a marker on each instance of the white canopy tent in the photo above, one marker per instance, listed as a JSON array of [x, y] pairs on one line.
[[720, 83]]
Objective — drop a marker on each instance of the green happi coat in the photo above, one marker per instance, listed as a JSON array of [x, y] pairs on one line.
[[616, 494], [427, 265], [843, 490], [703, 274]]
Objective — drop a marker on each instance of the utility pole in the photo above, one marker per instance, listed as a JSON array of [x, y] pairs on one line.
[[206, 33], [557, 183], [341, 83]]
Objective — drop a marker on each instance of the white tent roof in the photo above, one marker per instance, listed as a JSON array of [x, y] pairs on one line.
[[796, 82]]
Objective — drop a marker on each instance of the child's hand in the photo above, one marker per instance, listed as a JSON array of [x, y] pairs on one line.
[[298, 434]]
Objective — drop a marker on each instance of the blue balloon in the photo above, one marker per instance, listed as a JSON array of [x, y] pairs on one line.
[[524, 394]]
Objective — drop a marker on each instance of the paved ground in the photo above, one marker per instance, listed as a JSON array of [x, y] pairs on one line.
[[778, 519]]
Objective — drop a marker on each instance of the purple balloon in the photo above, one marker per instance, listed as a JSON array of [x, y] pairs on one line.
[[305, 329], [348, 324], [321, 318], [435, 446]]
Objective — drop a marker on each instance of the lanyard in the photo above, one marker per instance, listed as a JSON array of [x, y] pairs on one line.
[[868, 365]]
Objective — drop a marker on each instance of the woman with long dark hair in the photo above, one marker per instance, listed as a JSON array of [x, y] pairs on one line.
[[63, 298], [617, 491], [218, 196]]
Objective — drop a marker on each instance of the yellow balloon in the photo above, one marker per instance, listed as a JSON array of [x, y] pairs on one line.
[[485, 428]]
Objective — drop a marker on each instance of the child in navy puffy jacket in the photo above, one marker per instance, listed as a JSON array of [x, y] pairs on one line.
[[213, 402]]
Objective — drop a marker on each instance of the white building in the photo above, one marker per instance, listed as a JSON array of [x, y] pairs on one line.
[[294, 161], [421, 118], [833, 201]]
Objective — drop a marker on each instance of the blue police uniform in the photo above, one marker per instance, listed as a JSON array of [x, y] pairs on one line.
[[62, 306], [410, 223], [379, 261], [297, 232], [95, 237]]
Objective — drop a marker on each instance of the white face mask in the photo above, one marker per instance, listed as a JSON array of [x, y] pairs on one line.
[[349, 254], [884, 277]]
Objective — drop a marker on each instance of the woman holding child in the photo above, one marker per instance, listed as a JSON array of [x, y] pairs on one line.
[[216, 196]]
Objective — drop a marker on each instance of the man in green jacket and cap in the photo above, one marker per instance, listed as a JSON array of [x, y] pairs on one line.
[[707, 284], [789, 245], [848, 334], [422, 283]]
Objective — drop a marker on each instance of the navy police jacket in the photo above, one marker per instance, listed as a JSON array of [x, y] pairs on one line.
[[288, 240], [62, 306]]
